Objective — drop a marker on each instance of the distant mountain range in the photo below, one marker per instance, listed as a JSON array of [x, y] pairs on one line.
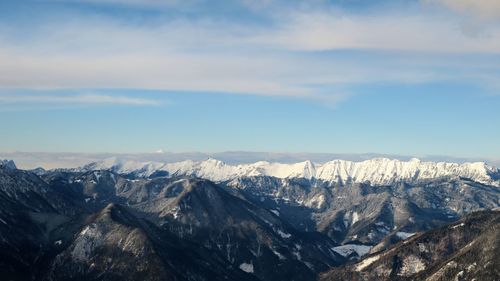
[[208, 220], [51, 160], [377, 171]]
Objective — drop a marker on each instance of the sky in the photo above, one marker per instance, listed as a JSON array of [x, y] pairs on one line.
[[402, 77]]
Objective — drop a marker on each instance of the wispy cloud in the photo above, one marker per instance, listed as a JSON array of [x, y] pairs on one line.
[[81, 99], [283, 58], [322, 30], [485, 9]]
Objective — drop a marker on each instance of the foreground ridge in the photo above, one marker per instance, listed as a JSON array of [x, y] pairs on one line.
[[464, 250]]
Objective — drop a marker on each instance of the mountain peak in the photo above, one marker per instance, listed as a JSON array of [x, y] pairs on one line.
[[214, 162], [8, 164]]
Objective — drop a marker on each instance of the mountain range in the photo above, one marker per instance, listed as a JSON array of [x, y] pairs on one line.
[[207, 220], [377, 171]]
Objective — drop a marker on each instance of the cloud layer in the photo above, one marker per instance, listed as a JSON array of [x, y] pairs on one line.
[[301, 52], [75, 99], [486, 9]]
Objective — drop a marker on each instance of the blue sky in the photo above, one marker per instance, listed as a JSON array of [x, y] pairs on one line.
[[394, 77]]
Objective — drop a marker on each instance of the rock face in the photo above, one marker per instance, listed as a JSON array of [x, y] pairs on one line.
[[146, 223], [465, 250]]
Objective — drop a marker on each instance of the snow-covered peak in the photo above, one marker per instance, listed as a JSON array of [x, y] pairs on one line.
[[124, 166], [384, 170], [9, 164], [377, 171]]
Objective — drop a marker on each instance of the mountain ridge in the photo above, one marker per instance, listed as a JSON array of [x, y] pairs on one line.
[[463, 250], [377, 171]]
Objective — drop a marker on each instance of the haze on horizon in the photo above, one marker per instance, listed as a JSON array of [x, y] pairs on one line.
[[33, 160]]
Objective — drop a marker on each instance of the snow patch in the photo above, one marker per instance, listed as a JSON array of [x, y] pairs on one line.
[[366, 262], [97, 175], [316, 202], [458, 225], [411, 265], [280, 256], [247, 267], [422, 248], [350, 218], [275, 212], [175, 212], [283, 234], [404, 235], [297, 255], [355, 217], [308, 264], [90, 238], [348, 249]]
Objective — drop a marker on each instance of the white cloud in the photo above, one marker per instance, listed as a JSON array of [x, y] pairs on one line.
[[212, 73], [419, 32], [486, 9], [280, 59], [141, 3], [81, 99]]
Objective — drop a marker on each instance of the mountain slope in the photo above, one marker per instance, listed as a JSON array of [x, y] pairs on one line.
[[30, 210], [246, 234], [201, 211], [115, 245], [465, 250], [366, 214], [218, 234]]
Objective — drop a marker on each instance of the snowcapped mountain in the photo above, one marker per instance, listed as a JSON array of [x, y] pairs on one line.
[[377, 171], [9, 164]]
